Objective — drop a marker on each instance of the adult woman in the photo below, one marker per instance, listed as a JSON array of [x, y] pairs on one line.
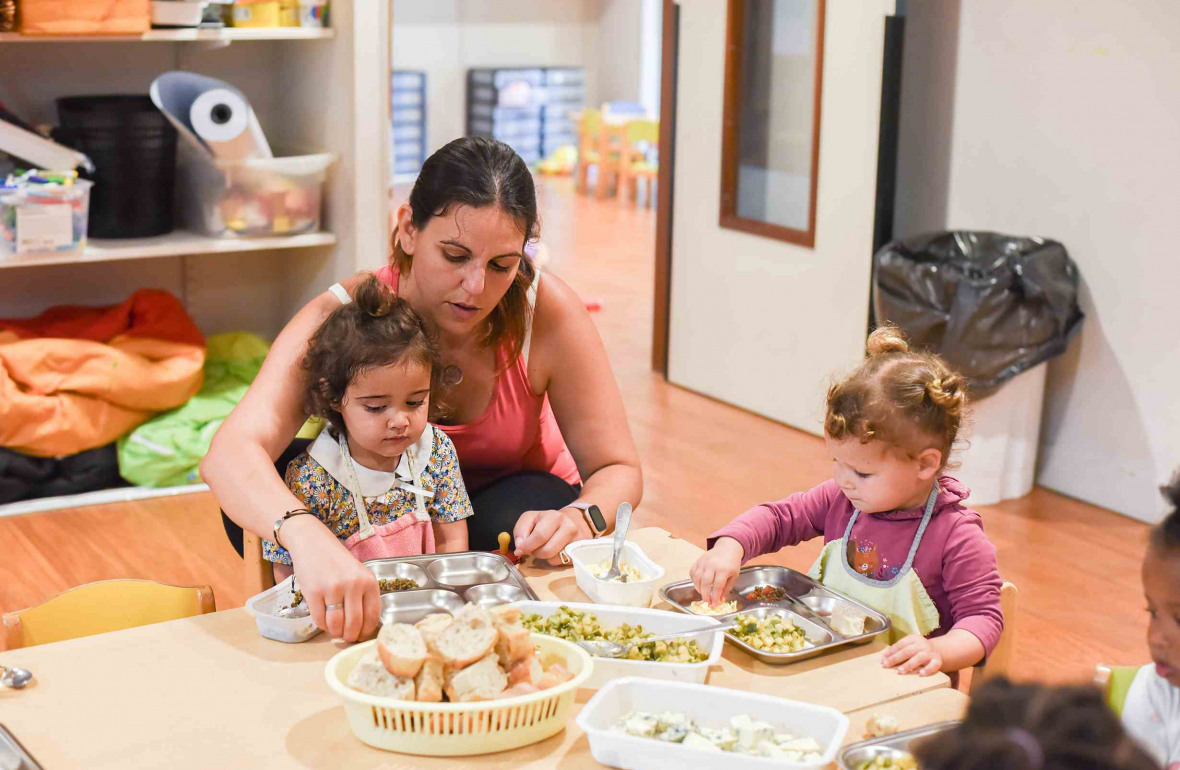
[[521, 357]]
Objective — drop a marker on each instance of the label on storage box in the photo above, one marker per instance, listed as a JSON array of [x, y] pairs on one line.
[[44, 228]]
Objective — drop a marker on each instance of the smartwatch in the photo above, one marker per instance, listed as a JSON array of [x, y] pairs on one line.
[[593, 517]]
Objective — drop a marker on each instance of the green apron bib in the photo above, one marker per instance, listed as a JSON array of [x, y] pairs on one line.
[[903, 597]]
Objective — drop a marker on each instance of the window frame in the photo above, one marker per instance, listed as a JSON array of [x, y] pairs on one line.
[[730, 129]]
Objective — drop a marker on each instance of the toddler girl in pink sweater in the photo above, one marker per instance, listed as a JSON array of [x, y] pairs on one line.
[[897, 534]]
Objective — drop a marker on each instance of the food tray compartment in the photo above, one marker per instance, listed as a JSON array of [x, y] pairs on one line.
[[709, 706], [822, 638], [412, 606], [656, 621], [494, 593], [404, 570], [855, 755], [809, 592], [467, 570]]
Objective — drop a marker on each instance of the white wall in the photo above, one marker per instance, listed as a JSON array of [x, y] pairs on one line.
[[1064, 125], [758, 322], [620, 33], [446, 37]]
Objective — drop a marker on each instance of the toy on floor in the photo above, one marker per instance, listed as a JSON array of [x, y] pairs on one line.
[[561, 162]]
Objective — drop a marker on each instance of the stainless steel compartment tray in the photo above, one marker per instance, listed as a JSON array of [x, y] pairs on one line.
[[853, 756], [447, 582], [809, 605]]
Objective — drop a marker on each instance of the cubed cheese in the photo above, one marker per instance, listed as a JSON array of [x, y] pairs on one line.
[[802, 744], [750, 733], [672, 719], [698, 741], [724, 738], [673, 734], [640, 725]]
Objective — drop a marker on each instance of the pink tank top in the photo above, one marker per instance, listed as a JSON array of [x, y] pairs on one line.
[[517, 432]]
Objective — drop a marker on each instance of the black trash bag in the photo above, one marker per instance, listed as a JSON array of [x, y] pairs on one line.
[[992, 305]]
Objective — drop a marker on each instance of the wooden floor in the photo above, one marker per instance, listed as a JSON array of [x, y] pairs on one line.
[[1077, 566]]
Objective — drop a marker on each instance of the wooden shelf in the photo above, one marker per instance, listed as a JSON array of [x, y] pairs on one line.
[[226, 34], [100, 497], [175, 244]]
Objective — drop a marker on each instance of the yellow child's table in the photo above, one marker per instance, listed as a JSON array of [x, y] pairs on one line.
[[209, 692]]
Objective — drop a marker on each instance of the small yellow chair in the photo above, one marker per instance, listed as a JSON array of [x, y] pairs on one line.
[[589, 128], [108, 605], [1115, 682], [612, 141], [641, 137], [999, 663]]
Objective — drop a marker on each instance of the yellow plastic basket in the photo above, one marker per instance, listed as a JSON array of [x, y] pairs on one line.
[[458, 729]]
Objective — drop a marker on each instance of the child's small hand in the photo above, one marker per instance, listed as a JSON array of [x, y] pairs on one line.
[[714, 573], [913, 655]]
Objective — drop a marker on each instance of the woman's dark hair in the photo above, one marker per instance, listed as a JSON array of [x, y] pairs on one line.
[[1035, 727], [477, 171], [1166, 535], [375, 329]]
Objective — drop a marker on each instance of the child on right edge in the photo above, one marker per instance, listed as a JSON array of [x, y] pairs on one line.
[[898, 535], [1152, 710]]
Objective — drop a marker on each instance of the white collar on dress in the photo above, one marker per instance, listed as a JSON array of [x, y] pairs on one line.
[[326, 451]]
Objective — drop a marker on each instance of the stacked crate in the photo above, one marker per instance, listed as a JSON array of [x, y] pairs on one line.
[[534, 110], [409, 122]]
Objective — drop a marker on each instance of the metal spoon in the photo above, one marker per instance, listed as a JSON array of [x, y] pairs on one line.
[[622, 522], [15, 678], [619, 649]]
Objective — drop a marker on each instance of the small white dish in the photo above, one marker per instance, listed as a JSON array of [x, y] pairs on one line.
[[265, 608], [591, 553]]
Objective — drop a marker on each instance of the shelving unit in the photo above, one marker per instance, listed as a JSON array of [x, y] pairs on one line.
[[331, 95]]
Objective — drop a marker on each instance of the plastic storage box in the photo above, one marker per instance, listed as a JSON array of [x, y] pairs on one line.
[[656, 621], [254, 197], [44, 219], [708, 706], [265, 607]]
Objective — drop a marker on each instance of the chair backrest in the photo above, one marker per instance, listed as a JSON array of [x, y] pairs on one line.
[[589, 126], [643, 131], [999, 663], [1115, 682], [108, 605]]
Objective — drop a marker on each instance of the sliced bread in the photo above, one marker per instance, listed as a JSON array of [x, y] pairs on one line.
[[513, 644], [468, 638], [429, 682], [505, 614], [370, 676], [401, 648], [482, 680]]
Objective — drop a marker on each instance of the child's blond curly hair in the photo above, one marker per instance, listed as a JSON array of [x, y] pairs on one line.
[[908, 399]]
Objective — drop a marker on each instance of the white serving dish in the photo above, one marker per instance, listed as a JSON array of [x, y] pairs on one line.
[[177, 13], [265, 607], [587, 553], [709, 707], [656, 621]]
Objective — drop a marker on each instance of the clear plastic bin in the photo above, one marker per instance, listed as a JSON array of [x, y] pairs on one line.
[[256, 197], [44, 219]]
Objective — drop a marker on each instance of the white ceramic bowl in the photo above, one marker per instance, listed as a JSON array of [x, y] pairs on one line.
[[590, 553]]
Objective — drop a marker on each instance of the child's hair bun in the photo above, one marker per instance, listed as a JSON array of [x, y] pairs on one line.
[[374, 297], [886, 339], [1171, 490], [948, 392]]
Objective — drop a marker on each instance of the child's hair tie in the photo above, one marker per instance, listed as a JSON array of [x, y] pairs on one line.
[[1031, 746]]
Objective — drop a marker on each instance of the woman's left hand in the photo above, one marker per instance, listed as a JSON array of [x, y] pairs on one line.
[[544, 533], [913, 655]]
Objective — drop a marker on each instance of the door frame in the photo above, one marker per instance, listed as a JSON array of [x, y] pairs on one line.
[[663, 267]]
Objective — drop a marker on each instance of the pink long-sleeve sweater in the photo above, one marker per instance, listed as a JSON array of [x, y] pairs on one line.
[[955, 562]]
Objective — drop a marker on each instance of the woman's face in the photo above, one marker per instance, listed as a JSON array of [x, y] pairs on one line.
[[464, 262]]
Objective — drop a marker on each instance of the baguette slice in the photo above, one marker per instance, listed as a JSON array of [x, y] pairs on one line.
[[505, 615], [469, 637], [527, 671], [429, 682], [402, 649], [482, 680], [513, 644], [370, 676]]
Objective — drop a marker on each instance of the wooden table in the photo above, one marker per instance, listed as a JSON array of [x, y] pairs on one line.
[[210, 692]]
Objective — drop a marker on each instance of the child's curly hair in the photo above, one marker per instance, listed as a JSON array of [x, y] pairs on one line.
[[1035, 727], [906, 398], [1165, 536], [375, 329]]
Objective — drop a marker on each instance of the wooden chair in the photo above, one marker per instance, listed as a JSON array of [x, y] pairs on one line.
[[612, 140], [1115, 682], [641, 138], [999, 663], [108, 605], [589, 127]]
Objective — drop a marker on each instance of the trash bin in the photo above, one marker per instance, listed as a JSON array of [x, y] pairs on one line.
[[997, 308]]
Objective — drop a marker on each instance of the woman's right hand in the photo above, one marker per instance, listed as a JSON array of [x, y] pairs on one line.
[[714, 573], [329, 575]]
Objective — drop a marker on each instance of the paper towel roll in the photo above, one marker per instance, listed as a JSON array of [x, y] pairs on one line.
[[224, 121]]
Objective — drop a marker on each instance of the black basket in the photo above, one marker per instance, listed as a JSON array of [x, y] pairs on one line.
[[133, 147]]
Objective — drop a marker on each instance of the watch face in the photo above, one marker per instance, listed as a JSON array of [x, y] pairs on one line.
[[596, 518]]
